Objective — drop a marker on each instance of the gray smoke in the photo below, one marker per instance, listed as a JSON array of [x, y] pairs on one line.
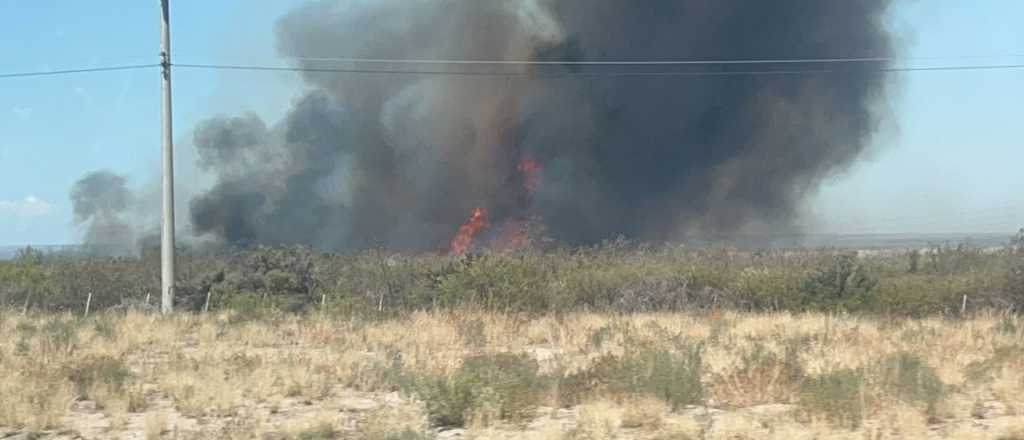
[[401, 159], [101, 202]]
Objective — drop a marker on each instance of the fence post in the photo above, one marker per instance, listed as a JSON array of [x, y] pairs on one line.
[[88, 302], [206, 306]]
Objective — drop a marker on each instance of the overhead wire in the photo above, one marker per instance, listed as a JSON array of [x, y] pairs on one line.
[[812, 63], [650, 62], [71, 71], [253, 67]]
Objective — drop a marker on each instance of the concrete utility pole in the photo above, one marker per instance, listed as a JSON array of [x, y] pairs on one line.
[[167, 238]]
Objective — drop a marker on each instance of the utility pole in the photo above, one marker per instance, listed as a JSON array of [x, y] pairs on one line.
[[167, 237]]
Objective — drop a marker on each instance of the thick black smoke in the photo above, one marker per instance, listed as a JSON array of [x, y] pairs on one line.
[[402, 159], [101, 201]]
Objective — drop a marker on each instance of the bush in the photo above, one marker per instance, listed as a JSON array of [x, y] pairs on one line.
[[840, 283], [276, 278], [103, 371], [916, 295], [762, 377], [516, 284], [1015, 274], [765, 288], [408, 435], [907, 377], [505, 385], [614, 277], [836, 395], [672, 377], [324, 431], [949, 259], [59, 336]]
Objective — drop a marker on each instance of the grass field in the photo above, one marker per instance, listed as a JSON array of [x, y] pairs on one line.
[[464, 374], [615, 341]]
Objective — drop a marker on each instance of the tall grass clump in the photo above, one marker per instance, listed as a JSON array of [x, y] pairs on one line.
[[836, 395], [674, 377], [762, 376], [905, 376], [485, 389]]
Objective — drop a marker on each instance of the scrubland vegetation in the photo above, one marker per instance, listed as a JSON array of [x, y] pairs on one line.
[[617, 341], [464, 374], [615, 277]]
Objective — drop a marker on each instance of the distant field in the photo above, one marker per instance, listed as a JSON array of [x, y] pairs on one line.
[[8, 252], [470, 375]]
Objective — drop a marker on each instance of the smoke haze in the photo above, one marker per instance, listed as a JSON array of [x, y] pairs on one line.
[[402, 160], [101, 201]]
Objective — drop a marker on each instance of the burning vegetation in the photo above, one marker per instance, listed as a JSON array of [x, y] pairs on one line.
[[588, 152]]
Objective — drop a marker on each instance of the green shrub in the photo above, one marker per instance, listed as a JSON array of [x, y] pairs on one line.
[[281, 278], [907, 377], [22, 347], [105, 329], [616, 276], [505, 383], [25, 282], [949, 259], [323, 431], [768, 288], [107, 371], [672, 377], [915, 295], [473, 332], [1007, 326], [248, 306], [59, 336], [913, 261], [384, 376], [409, 435], [599, 336], [499, 284], [1015, 285], [840, 283], [836, 395]]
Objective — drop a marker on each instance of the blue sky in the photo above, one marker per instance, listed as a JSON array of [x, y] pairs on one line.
[[951, 159]]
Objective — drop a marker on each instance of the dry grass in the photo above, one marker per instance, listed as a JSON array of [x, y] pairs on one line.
[[315, 377]]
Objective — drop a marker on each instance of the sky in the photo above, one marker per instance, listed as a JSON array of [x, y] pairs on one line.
[[949, 159]]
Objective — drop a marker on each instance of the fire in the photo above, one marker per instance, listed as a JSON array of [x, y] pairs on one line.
[[463, 240], [531, 170], [513, 234]]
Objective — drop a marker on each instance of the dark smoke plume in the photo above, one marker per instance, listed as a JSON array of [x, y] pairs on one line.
[[101, 202], [401, 160]]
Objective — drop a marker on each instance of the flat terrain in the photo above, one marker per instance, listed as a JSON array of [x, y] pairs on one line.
[[484, 375]]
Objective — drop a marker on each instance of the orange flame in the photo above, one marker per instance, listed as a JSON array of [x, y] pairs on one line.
[[463, 240], [513, 235]]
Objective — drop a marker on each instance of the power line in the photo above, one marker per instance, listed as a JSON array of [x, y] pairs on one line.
[[534, 74], [584, 74], [71, 71], [96, 59], [652, 62]]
